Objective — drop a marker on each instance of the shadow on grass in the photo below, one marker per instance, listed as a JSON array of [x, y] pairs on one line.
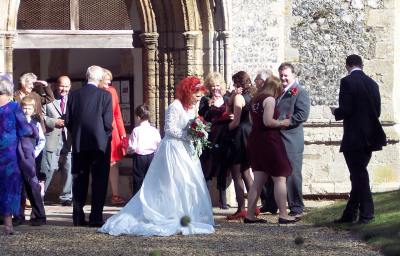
[[383, 232]]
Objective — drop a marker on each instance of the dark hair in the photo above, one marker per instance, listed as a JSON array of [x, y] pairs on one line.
[[354, 60], [286, 65], [142, 111], [239, 78]]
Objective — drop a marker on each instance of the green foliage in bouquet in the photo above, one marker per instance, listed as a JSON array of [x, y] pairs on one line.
[[198, 132]]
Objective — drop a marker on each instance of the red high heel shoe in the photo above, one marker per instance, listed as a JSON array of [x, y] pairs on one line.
[[257, 211], [237, 216]]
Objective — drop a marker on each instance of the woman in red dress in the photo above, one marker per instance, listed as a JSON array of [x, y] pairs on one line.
[[118, 138], [266, 150]]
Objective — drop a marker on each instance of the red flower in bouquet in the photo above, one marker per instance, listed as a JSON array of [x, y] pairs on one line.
[[294, 91], [198, 133]]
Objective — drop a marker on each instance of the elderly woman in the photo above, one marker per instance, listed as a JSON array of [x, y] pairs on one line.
[[37, 89], [13, 125]]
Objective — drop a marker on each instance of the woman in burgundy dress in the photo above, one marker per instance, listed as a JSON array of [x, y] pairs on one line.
[[266, 150]]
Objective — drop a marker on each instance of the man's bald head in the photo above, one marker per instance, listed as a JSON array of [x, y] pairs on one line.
[[63, 85]]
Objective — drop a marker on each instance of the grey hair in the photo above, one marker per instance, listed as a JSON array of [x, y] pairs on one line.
[[6, 84], [27, 77], [264, 74], [94, 74]]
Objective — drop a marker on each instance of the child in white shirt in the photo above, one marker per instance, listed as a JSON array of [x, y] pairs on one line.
[[143, 142]]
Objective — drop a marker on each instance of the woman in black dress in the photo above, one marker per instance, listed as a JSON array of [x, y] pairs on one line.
[[213, 109], [266, 150], [239, 130]]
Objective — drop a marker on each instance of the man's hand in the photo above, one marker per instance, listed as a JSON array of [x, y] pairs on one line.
[[44, 83], [59, 123], [333, 110]]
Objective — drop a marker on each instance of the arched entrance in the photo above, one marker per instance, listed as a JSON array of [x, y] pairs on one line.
[[172, 38], [166, 41]]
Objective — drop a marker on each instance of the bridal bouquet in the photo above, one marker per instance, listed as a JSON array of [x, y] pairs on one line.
[[198, 133]]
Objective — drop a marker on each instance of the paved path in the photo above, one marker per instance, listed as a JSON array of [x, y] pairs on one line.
[[58, 237]]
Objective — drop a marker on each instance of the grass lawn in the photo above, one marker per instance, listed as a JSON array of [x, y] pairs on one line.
[[383, 232]]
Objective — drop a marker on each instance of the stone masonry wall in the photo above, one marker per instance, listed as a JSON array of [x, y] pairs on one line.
[[317, 35]]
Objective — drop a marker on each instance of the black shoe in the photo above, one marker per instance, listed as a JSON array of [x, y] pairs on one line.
[[96, 224], [295, 214], [224, 206], [264, 209], [283, 221], [246, 220], [79, 220], [38, 221], [343, 220], [18, 221], [66, 203], [363, 221]]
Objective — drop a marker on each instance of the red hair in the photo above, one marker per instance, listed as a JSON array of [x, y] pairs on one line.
[[186, 88]]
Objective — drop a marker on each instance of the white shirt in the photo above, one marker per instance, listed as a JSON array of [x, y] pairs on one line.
[[284, 91], [144, 139]]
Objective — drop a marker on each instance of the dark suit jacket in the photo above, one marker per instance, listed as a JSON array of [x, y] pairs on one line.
[[89, 119], [360, 108]]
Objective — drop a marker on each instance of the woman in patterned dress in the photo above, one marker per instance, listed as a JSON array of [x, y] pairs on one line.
[[13, 125]]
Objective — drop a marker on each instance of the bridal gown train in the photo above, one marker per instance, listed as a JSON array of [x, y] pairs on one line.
[[173, 187]]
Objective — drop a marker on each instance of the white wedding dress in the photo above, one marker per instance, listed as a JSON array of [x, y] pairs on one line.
[[173, 187]]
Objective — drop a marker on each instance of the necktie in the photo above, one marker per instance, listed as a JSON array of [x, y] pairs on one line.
[[62, 105]]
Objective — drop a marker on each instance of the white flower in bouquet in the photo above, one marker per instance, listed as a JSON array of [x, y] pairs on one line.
[[198, 133]]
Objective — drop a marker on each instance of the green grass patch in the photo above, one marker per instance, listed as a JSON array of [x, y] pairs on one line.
[[383, 232]]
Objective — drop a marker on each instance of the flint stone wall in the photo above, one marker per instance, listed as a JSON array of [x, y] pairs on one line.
[[317, 36]]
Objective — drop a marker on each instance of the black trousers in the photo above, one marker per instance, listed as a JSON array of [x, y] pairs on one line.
[[360, 201], [141, 164], [97, 164], [31, 189]]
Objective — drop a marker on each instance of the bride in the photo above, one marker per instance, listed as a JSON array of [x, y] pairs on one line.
[[174, 186]]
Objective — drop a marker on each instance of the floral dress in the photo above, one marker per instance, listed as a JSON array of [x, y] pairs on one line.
[[13, 124]]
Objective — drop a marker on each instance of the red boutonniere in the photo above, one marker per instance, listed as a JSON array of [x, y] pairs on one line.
[[294, 91]]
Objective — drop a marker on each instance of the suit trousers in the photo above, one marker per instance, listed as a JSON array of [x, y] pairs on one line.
[[58, 160], [267, 196], [360, 194], [141, 164], [97, 164], [31, 189], [294, 183]]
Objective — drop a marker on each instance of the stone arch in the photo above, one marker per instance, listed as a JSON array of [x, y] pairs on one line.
[[179, 37]]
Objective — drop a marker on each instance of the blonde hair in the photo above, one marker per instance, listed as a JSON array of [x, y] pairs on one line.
[[28, 101], [213, 79], [107, 73]]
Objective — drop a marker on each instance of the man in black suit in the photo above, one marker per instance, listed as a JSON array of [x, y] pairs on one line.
[[359, 108], [89, 120]]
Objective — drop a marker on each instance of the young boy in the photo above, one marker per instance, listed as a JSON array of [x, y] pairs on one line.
[[33, 187], [143, 142]]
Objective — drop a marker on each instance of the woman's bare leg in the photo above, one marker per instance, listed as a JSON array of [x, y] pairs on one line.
[[239, 187], [114, 178], [281, 196], [255, 190]]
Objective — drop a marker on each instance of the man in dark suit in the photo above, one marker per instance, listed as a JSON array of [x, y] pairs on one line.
[[359, 108], [89, 121]]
